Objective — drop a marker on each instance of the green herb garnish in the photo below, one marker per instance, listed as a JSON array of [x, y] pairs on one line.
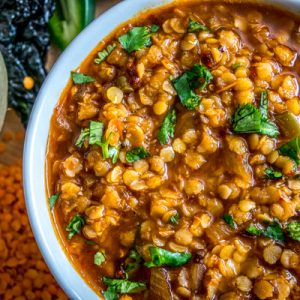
[[174, 219], [53, 199], [133, 262], [102, 55], [113, 153], [293, 230], [136, 154], [235, 66], [291, 149], [249, 119], [95, 132], [273, 231], [75, 225], [229, 220], [272, 174], [198, 77], [162, 257], [117, 287], [79, 78], [83, 135], [99, 258], [196, 26], [167, 128], [91, 243], [136, 38], [154, 28]]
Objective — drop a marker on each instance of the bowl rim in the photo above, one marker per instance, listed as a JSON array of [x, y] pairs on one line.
[[37, 137]]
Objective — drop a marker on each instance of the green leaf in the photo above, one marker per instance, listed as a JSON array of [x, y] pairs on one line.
[[79, 78], [102, 55], [99, 258], [235, 66], [154, 28], [83, 135], [95, 132], [174, 219], [162, 257], [249, 119], [136, 154], [75, 225], [53, 199], [136, 38], [291, 149], [273, 231], [113, 153], [253, 230], [196, 26], [121, 286], [133, 261], [91, 243], [167, 129], [229, 220], [293, 230], [272, 174], [198, 77]]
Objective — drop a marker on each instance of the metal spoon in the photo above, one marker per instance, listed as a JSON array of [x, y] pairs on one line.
[[3, 91]]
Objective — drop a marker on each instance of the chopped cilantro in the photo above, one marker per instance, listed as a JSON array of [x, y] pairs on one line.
[[229, 220], [83, 135], [167, 128], [113, 153], [91, 243], [293, 230], [102, 55], [197, 77], [174, 219], [291, 149], [273, 231], [272, 174], [253, 230], [249, 119], [154, 28], [95, 132], [75, 225], [235, 66], [136, 38], [136, 154], [79, 78], [117, 287], [196, 26], [133, 262], [99, 258], [162, 257], [53, 199]]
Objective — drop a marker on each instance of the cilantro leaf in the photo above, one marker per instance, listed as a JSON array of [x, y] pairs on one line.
[[249, 119], [154, 28], [272, 174], [196, 26], [75, 225], [293, 230], [167, 128], [136, 38], [133, 261], [291, 149], [235, 66], [83, 135], [91, 243], [121, 286], [99, 258], [53, 199], [79, 78], [102, 55], [136, 154], [229, 220], [190, 80], [174, 219], [95, 132], [162, 257], [273, 231], [113, 153]]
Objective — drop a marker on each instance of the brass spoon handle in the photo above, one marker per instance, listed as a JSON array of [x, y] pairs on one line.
[[3, 91]]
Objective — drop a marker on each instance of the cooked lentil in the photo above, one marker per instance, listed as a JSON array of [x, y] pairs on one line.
[[222, 186]]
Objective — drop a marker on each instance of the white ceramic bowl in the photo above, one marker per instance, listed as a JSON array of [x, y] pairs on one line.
[[37, 135]]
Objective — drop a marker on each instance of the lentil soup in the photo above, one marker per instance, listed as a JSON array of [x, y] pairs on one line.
[[173, 154]]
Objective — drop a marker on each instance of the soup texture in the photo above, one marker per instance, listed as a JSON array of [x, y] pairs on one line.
[[173, 156]]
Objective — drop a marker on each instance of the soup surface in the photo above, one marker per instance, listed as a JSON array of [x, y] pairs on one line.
[[173, 156]]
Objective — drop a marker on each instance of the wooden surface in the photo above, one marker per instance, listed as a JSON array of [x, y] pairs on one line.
[[12, 125]]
